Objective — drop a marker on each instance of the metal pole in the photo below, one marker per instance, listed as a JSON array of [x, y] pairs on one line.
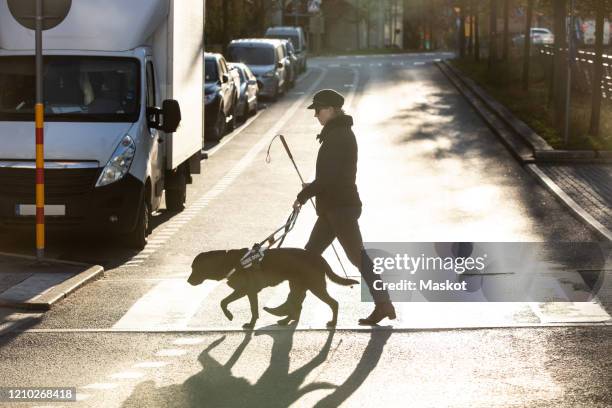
[[39, 118], [568, 90]]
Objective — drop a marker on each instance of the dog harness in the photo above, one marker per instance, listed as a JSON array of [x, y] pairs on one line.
[[255, 255]]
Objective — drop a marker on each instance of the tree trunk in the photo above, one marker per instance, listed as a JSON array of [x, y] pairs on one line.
[[470, 49], [476, 12], [225, 24], [527, 45], [560, 61], [506, 37], [462, 29], [493, 34], [597, 68]]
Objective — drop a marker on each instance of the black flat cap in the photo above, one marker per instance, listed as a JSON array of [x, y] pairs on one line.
[[326, 98]]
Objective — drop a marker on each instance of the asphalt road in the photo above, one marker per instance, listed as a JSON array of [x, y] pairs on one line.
[[429, 170]]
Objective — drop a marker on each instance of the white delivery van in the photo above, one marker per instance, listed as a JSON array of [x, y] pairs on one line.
[[119, 76]]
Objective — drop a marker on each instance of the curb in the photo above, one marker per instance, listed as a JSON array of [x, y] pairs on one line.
[[490, 116], [542, 151], [519, 148], [569, 202], [48, 297]]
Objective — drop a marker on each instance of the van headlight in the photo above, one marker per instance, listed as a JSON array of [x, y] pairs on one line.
[[119, 163], [269, 74]]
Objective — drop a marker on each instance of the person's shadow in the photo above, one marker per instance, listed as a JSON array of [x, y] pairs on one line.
[[216, 386]]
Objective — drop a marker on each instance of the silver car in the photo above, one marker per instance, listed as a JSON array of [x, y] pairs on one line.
[[265, 58], [248, 90]]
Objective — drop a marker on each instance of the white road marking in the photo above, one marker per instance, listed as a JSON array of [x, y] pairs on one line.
[[419, 63], [151, 364], [226, 139], [101, 386], [171, 353], [82, 397], [189, 341], [12, 321], [126, 375], [170, 304]]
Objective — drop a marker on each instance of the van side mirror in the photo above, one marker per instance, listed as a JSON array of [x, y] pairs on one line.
[[171, 113], [225, 78], [279, 64], [167, 118]]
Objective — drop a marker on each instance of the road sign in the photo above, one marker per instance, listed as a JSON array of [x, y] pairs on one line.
[[54, 12]]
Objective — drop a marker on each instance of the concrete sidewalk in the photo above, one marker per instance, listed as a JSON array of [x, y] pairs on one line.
[[581, 180], [26, 283]]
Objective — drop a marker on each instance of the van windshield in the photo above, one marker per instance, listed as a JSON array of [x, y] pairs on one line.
[[83, 89], [252, 55]]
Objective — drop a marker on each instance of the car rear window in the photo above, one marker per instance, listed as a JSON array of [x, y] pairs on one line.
[[210, 70], [293, 38], [252, 55]]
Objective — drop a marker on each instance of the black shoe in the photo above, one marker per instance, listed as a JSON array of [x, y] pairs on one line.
[[381, 311]]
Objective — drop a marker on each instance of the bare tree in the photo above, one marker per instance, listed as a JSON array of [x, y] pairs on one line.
[[476, 13], [462, 6], [506, 36], [559, 88], [470, 14], [493, 34], [527, 44], [600, 9]]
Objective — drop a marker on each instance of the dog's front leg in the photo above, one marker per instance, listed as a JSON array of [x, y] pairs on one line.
[[235, 295], [254, 310]]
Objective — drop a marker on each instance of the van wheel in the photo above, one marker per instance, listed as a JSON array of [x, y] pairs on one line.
[[137, 239], [177, 195]]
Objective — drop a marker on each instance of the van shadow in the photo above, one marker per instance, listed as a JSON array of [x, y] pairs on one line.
[[216, 386]]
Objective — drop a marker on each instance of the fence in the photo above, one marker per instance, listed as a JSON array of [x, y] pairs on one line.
[[583, 71]]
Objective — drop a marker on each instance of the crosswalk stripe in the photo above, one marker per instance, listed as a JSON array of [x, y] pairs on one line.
[[170, 304]]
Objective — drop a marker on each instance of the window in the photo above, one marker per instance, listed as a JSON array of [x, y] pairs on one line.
[[151, 99], [84, 89]]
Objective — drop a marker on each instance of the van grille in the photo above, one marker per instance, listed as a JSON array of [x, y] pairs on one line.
[[20, 184]]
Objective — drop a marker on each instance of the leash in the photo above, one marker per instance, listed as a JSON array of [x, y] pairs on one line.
[[286, 146], [256, 254]]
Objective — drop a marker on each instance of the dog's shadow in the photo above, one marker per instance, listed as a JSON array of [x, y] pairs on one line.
[[216, 386]]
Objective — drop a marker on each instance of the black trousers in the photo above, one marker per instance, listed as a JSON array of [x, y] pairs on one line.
[[342, 223]]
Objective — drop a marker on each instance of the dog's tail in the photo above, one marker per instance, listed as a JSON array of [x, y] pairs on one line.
[[337, 279]]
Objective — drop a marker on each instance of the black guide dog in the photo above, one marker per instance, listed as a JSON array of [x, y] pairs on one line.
[[304, 271]]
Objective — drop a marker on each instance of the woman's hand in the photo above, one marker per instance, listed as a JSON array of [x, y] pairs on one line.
[[304, 185], [296, 204]]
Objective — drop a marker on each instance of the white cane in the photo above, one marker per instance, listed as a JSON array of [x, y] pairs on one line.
[[282, 138]]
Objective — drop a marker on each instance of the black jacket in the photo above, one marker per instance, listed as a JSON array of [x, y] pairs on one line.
[[334, 184]]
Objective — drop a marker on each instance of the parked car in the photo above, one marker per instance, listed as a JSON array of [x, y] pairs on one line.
[[539, 36], [297, 38], [247, 91], [291, 63], [265, 59], [220, 97]]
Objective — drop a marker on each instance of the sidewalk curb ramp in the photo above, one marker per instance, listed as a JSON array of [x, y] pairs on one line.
[[527, 146], [38, 285]]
